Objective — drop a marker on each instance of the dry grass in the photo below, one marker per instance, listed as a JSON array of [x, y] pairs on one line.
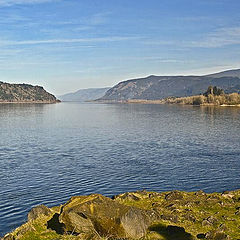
[[224, 99]]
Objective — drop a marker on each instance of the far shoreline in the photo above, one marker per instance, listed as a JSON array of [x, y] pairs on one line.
[[161, 102]]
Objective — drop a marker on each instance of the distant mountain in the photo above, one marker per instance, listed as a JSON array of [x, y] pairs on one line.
[[25, 93], [158, 87], [84, 95]]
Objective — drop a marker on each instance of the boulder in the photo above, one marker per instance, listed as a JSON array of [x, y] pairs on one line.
[[101, 215], [135, 222], [37, 211]]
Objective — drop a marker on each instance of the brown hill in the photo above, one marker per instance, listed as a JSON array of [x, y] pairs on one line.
[[25, 93]]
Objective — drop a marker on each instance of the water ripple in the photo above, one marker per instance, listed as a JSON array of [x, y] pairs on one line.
[[49, 153]]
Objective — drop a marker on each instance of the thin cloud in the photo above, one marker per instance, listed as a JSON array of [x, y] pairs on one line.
[[61, 41], [12, 18], [7, 3], [99, 18], [157, 59], [159, 42], [219, 38]]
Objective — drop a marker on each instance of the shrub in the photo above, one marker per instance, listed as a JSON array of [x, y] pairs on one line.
[[198, 100]]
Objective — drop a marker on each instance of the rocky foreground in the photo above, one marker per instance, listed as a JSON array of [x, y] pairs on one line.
[[138, 215]]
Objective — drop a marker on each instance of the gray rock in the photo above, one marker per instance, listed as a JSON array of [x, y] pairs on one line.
[[37, 211], [135, 223], [96, 213]]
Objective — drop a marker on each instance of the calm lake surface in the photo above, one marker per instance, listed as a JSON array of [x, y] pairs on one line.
[[49, 153]]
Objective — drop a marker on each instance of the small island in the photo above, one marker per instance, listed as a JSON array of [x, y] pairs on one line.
[[24, 93], [142, 215]]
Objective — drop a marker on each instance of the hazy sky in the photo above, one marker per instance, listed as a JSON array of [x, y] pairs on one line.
[[66, 45]]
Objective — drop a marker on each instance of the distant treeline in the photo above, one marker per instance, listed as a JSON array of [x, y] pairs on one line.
[[213, 96]]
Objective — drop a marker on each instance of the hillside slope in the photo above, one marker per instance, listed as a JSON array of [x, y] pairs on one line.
[[84, 95], [24, 93], [158, 87]]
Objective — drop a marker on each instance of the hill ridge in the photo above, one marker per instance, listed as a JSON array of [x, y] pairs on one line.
[[158, 87]]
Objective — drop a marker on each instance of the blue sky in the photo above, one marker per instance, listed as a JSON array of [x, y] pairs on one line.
[[66, 45]]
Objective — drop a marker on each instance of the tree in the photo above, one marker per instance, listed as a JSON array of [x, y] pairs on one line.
[[215, 91], [209, 91]]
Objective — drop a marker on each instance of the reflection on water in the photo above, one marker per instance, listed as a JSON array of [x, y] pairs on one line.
[[49, 152], [216, 110], [7, 108]]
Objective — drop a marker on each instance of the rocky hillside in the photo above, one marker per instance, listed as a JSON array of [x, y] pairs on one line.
[[83, 95], [24, 93], [138, 215], [159, 87]]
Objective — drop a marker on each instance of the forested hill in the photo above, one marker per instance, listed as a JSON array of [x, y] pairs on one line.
[[24, 93]]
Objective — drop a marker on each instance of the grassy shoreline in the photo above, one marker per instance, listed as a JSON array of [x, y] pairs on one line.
[[224, 100]]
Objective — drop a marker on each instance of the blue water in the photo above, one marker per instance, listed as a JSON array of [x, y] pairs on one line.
[[51, 152]]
